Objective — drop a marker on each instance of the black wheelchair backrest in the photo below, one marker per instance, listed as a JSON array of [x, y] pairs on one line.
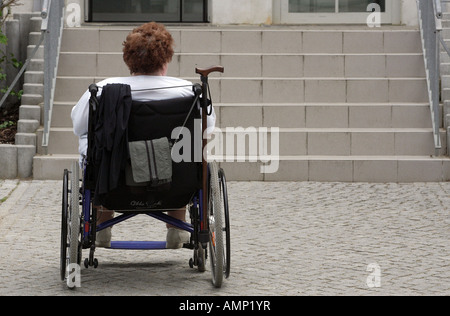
[[155, 120]]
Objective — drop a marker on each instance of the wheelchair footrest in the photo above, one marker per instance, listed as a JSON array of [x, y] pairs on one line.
[[138, 245]]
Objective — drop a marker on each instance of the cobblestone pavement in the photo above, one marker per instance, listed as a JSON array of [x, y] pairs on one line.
[[287, 239]]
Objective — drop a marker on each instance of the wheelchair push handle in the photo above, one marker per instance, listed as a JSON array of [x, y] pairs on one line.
[[93, 89], [93, 102]]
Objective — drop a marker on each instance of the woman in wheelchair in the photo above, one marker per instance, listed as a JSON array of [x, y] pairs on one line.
[[147, 52]]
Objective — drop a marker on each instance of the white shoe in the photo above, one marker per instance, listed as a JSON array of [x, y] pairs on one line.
[[103, 238], [176, 238]]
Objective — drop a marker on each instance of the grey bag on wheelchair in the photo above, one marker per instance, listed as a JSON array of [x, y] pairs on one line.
[[151, 163]]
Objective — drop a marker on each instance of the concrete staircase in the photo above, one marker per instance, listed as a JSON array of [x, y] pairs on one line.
[[33, 89], [445, 72], [351, 103], [30, 111]]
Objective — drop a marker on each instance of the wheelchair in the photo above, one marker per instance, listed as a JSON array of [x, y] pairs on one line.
[[196, 183]]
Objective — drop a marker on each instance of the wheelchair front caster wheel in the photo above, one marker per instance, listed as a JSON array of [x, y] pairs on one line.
[[201, 259], [87, 264], [198, 260]]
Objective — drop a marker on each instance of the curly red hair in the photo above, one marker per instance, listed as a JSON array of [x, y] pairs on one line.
[[148, 48]]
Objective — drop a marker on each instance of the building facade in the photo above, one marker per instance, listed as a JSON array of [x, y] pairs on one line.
[[253, 12]]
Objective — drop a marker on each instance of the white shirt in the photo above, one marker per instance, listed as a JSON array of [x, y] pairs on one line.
[[178, 88]]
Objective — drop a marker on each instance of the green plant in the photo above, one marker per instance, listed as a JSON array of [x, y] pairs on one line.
[[7, 124], [6, 59], [11, 60], [7, 4]]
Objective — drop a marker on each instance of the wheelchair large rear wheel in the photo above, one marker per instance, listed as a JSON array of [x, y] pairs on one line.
[[70, 224], [64, 225], [219, 245], [226, 223]]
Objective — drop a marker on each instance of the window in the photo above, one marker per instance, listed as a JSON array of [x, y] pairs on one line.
[[333, 5], [147, 10], [359, 5], [312, 6], [333, 11]]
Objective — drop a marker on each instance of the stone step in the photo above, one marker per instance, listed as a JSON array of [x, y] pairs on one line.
[[445, 69], [288, 90], [61, 141], [61, 114], [39, 53], [33, 88], [30, 112], [345, 169], [257, 65], [26, 139], [445, 58], [35, 24], [51, 167], [301, 115], [34, 38], [27, 126], [32, 99], [36, 65], [298, 39], [296, 141], [34, 77], [445, 79], [324, 115], [326, 142], [70, 89], [404, 169]]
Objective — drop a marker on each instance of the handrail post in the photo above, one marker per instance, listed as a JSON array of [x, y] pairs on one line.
[[44, 14], [438, 8]]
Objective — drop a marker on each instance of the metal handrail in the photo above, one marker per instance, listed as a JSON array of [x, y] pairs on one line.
[[25, 65], [52, 25], [430, 15], [439, 15], [52, 14]]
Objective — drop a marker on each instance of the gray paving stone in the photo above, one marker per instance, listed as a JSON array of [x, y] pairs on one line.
[[288, 238]]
